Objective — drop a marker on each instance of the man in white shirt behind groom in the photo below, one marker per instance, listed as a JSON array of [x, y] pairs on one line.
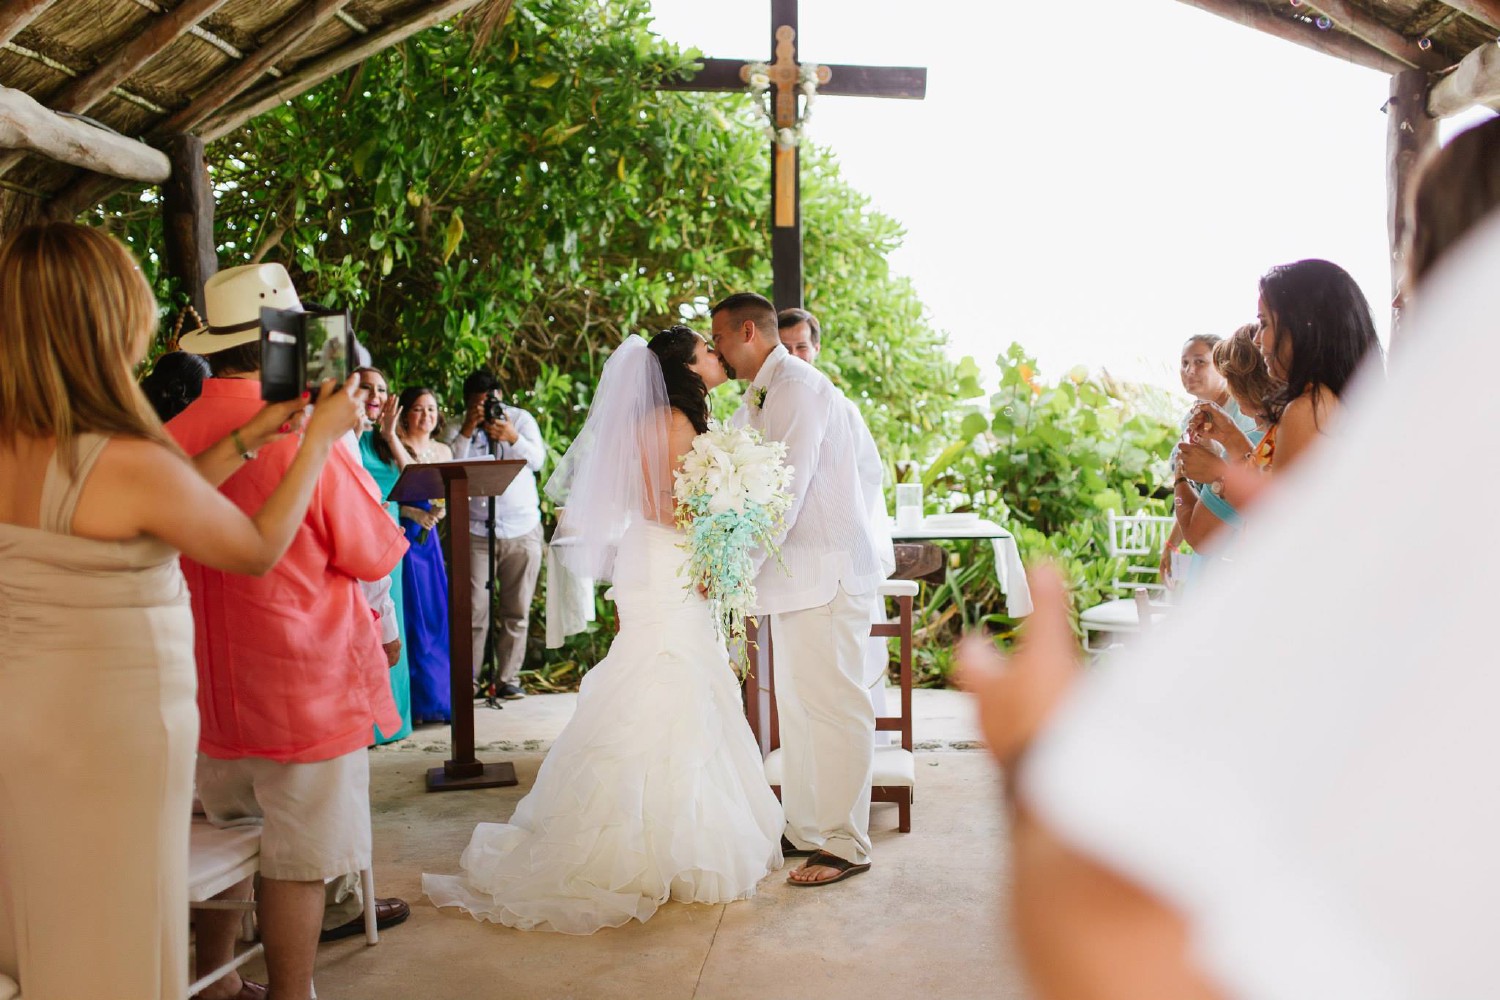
[[802, 335], [819, 607]]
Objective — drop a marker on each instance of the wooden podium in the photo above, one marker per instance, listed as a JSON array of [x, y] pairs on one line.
[[457, 482]]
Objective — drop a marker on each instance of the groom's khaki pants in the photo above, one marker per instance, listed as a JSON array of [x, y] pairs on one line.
[[827, 725]]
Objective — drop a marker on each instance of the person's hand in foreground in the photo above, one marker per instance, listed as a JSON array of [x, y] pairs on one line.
[[1084, 931], [1017, 694]]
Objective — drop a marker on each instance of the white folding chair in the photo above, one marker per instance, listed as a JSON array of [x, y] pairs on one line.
[[1139, 539]]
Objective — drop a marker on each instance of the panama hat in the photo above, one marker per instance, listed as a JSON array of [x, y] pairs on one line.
[[233, 299]]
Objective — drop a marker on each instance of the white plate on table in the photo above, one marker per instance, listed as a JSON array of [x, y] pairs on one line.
[[950, 521]]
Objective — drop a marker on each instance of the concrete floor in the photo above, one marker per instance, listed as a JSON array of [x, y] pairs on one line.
[[923, 923]]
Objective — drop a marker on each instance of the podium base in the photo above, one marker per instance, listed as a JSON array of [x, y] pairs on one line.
[[440, 779]]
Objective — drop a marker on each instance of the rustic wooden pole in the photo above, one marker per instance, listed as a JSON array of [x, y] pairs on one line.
[[187, 206], [786, 184], [1410, 132], [1475, 80], [27, 125]]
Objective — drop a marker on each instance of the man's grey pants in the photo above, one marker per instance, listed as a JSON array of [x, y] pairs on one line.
[[518, 562]]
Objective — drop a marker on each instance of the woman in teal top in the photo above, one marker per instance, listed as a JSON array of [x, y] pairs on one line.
[[384, 457]]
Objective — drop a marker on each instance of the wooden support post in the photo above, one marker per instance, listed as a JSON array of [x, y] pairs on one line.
[[187, 205], [1410, 132]]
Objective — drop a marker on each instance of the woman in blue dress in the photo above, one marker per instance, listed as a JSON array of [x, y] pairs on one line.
[[424, 576], [384, 457]]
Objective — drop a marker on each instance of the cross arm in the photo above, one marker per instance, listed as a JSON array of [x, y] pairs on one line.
[[906, 82], [716, 74]]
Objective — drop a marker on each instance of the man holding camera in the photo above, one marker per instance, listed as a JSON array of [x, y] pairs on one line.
[[490, 428]]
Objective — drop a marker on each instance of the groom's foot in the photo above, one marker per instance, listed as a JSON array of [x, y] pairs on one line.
[[508, 691], [823, 868]]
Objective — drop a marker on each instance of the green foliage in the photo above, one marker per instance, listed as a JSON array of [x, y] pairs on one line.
[[1048, 460]]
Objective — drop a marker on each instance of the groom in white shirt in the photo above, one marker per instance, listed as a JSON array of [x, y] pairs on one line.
[[820, 605]]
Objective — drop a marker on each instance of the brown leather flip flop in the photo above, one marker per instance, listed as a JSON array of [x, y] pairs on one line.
[[822, 859]]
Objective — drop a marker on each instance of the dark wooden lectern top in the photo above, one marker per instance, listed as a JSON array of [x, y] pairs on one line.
[[458, 483]]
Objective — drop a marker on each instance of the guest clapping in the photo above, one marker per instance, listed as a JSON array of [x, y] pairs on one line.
[[98, 724], [424, 578], [1315, 333], [384, 456]]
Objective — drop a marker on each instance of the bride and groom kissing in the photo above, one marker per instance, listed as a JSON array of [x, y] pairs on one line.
[[655, 789]]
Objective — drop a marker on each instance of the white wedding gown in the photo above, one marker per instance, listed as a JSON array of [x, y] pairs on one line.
[[654, 790]]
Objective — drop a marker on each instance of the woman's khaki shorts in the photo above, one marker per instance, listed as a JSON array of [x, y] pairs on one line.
[[314, 818]]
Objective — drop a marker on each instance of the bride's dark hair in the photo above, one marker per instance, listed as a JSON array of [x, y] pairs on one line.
[[674, 348]]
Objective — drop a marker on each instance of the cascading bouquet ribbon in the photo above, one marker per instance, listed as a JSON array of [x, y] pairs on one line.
[[731, 492]]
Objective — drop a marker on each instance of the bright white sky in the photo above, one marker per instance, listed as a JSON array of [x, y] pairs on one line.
[[1100, 187]]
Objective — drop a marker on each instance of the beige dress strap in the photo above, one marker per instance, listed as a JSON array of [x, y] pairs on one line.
[[60, 488]]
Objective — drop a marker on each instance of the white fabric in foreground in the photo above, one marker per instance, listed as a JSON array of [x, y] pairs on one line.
[[1303, 760], [653, 790]]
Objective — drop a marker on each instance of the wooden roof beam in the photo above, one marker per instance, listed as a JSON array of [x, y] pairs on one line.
[[1329, 43], [1486, 12], [25, 124], [1476, 80], [306, 77], [15, 15], [86, 91], [1367, 29], [226, 88], [90, 191]]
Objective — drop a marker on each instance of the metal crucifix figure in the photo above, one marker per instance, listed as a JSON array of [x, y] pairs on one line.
[[785, 73]]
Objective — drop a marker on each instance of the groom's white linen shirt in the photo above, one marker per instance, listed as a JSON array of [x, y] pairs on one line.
[[827, 539]]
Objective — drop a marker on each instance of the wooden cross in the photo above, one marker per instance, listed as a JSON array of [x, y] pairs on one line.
[[909, 82]]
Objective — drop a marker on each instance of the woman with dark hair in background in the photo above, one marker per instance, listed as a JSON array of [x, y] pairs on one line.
[[424, 579], [175, 381], [384, 456], [1315, 332]]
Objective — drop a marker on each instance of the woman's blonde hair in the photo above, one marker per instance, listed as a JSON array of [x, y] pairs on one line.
[[75, 311], [1244, 368]]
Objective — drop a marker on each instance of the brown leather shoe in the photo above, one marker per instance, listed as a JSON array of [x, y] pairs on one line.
[[388, 913]]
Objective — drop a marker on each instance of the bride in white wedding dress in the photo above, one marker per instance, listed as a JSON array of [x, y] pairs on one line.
[[655, 788]]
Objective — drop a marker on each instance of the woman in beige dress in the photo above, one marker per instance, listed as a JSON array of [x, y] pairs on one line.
[[98, 714]]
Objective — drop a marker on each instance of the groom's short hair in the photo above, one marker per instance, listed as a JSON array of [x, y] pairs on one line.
[[748, 305]]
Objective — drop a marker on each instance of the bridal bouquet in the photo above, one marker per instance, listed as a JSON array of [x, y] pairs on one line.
[[731, 495]]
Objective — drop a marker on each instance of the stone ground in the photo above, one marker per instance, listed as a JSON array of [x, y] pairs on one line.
[[924, 922]]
